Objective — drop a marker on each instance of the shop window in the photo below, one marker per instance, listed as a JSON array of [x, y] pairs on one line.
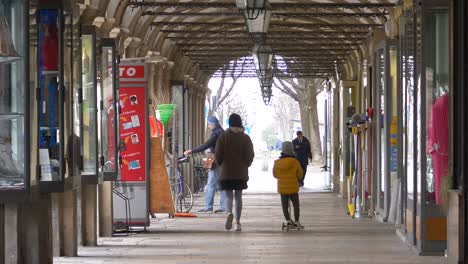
[[12, 95], [436, 103], [89, 107]]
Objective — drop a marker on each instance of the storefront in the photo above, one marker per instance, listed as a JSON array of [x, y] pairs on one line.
[[424, 116], [457, 218]]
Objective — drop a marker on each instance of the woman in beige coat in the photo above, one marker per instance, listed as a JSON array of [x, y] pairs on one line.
[[234, 155]]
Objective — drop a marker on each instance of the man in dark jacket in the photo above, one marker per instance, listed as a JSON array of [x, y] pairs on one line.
[[213, 174], [303, 152]]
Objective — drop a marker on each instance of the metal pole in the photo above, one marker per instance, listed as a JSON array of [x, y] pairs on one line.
[[175, 148]]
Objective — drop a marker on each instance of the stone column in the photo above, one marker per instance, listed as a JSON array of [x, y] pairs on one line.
[[105, 209], [336, 141], [55, 223], [455, 227], [2, 231], [69, 230], [11, 231], [89, 214], [199, 119], [36, 240], [46, 224]]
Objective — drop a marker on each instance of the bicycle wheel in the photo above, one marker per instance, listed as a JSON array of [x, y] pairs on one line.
[[185, 200]]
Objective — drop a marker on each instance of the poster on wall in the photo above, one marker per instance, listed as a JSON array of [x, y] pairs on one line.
[[133, 123]]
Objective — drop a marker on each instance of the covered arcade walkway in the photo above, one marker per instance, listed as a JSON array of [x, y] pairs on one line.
[[82, 82], [330, 236]]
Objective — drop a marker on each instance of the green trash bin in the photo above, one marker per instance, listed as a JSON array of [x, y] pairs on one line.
[[165, 112]]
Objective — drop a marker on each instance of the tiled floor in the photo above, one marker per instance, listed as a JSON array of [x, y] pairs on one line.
[[330, 236]]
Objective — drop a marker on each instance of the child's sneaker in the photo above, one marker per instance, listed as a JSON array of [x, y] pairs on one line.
[[298, 225], [238, 227]]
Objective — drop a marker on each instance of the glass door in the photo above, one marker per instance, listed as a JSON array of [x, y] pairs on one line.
[[382, 128], [89, 146]]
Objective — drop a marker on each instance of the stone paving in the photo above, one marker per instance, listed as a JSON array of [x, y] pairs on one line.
[[330, 236]]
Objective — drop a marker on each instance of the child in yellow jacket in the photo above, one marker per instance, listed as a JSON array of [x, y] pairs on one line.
[[288, 171]]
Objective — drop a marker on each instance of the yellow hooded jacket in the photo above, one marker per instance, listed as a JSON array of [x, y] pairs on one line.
[[288, 171]]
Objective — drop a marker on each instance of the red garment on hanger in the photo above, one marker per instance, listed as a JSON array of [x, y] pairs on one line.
[[439, 141], [50, 48]]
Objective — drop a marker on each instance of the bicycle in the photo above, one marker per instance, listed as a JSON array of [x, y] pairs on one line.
[[200, 176], [183, 197]]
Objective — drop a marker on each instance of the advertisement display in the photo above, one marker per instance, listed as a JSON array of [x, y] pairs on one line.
[[131, 192], [133, 133]]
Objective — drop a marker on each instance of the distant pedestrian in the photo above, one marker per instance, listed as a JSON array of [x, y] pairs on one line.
[[303, 152], [288, 171], [213, 173], [234, 154]]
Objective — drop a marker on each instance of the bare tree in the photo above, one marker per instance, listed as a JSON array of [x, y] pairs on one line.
[[305, 92], [232, 71], [238, 107], [286, 111]]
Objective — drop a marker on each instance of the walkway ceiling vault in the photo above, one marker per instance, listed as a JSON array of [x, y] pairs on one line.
[[309, 39]]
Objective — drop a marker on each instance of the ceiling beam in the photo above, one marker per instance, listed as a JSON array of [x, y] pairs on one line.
[[277, 74], [274, 6], [274, 14], [272, 42], [271, 32], [239, 45], [272, 24], [269, 37], [281, 76]]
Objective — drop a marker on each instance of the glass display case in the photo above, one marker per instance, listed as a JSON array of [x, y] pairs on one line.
[[89, 111], [14, 95], [51, 149], [58, 98], [109, 160]]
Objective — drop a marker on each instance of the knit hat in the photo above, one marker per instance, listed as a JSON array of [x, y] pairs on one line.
[[235, 120], [287, 148], [212, 120]]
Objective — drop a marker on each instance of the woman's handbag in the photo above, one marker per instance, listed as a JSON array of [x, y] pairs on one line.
[[209, 161]]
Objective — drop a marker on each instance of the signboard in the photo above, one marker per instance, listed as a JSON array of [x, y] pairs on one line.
[[393, 145]]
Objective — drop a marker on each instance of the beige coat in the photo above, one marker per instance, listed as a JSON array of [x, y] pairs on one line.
[[234, 154]]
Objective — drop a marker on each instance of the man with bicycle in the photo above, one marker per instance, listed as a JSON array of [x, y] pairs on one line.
[[213, 173]]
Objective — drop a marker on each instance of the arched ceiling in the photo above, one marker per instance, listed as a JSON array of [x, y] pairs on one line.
[[308, 37]]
